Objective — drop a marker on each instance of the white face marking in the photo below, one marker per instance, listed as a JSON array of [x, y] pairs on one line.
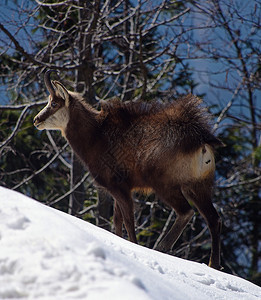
[[58, 120], [51, 117]]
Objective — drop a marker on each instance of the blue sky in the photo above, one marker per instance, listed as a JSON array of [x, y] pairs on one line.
[[204, 70]]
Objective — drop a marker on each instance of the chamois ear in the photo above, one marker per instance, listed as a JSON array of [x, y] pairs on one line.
[[61, 90]]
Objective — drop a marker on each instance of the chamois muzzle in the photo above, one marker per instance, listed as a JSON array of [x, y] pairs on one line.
[[41, 117], [36, 121]]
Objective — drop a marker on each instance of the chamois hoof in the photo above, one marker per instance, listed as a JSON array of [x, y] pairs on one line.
[[216, 267], [161, 248]]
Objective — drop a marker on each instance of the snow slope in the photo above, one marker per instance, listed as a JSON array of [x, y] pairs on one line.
[[47, 254]]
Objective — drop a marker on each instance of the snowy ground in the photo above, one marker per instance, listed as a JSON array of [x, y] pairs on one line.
[[46, 254]]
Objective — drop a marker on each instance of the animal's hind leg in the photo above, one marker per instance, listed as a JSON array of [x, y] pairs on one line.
[[200, 195], [184, 213]]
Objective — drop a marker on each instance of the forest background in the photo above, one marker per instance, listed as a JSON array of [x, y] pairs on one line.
[[138, 49]]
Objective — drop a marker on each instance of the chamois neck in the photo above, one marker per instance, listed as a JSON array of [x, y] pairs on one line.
[[82, 128]]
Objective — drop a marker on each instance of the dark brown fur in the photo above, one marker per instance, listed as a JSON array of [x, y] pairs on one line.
[[134, 145]]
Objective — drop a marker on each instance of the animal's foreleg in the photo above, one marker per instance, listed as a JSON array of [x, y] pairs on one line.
[[117, 219], [124, 211]]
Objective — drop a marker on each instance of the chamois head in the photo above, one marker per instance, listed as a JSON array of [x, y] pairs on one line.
[[55, 114]]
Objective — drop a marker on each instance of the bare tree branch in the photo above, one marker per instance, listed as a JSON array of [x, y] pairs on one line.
[[41, 169], [70, 191], [18, 124]]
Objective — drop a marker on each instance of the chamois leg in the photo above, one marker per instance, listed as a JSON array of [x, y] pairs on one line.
[[184, 213], [201, 197], [124, 210], [117, 219]]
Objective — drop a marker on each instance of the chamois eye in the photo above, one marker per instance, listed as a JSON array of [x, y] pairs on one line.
[[53, 104]]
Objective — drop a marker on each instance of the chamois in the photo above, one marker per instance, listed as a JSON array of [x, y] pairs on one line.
[[127, 146]]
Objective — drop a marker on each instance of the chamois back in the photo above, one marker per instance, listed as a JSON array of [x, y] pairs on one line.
[[182, 124]]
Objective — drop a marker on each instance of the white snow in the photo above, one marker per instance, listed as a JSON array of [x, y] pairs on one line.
[[47, 254]]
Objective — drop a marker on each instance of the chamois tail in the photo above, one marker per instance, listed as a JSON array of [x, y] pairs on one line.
[[191, 123]]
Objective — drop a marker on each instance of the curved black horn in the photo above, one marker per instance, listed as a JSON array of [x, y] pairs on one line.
[[48, 82]]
